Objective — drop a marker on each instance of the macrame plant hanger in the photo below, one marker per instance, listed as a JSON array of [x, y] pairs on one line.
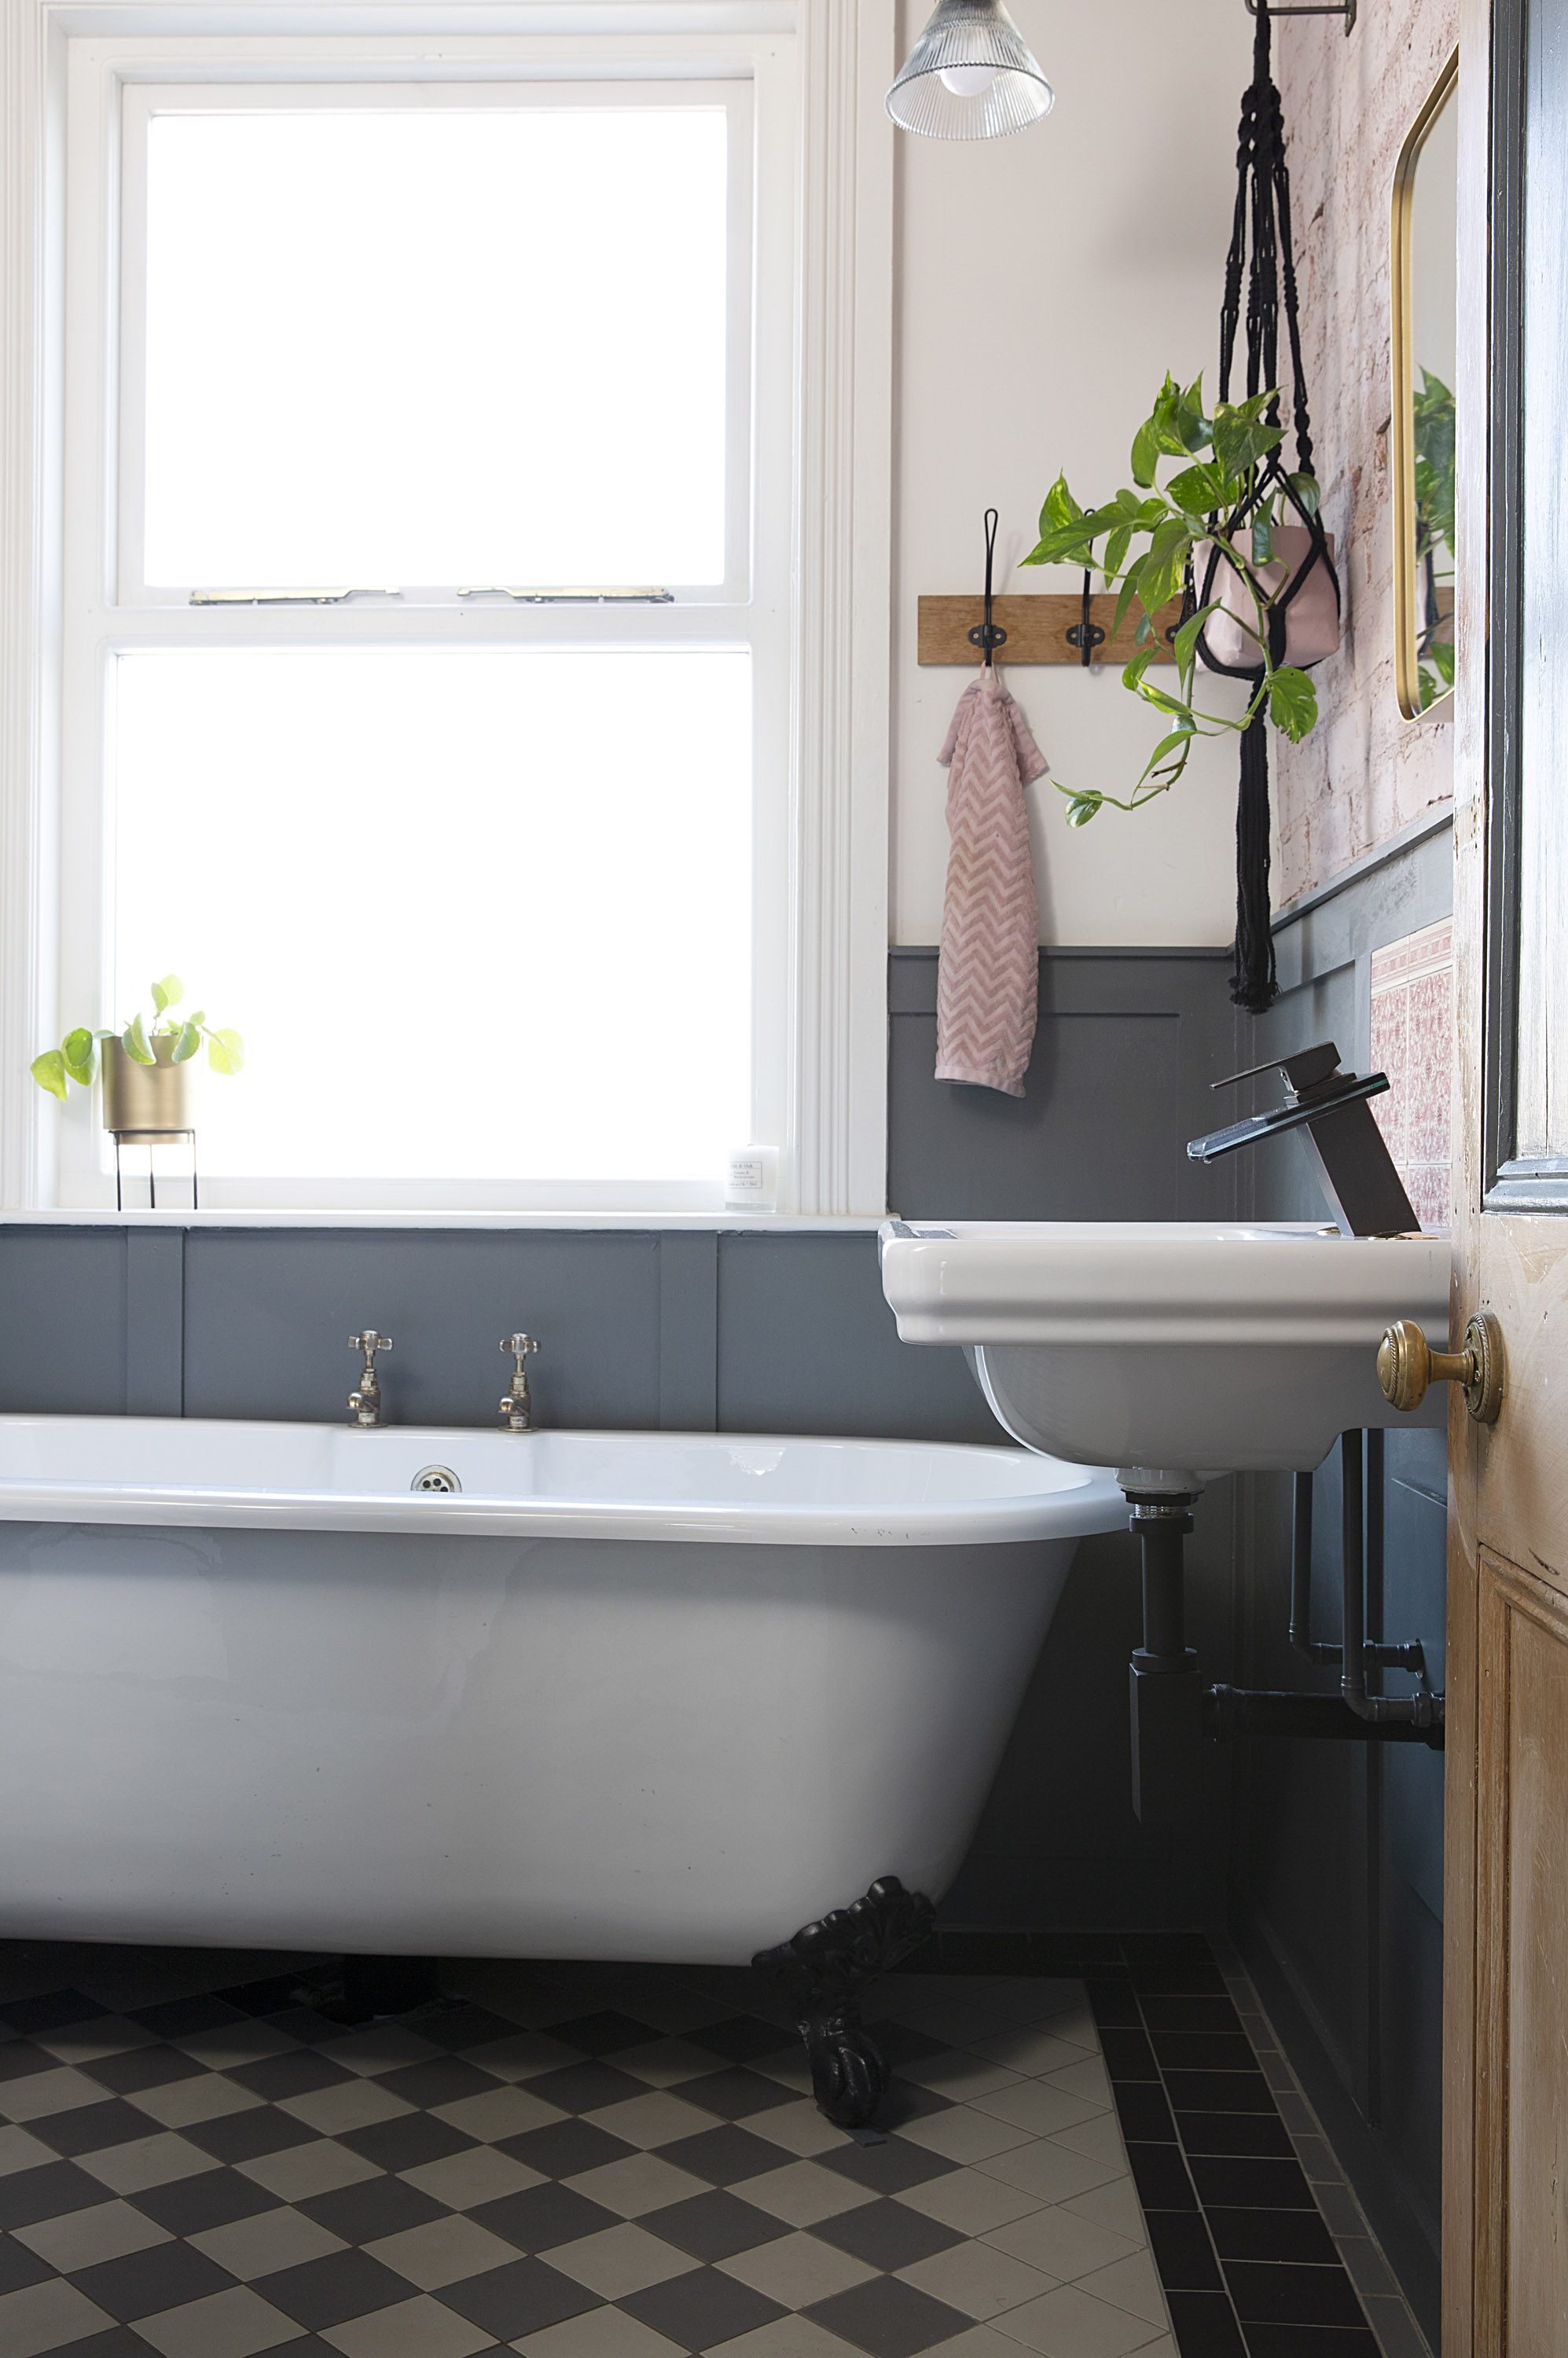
[[1262, 207]]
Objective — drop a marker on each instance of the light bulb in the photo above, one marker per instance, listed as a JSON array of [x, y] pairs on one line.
[[967, 82]]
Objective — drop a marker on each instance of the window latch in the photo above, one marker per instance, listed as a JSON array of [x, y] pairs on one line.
[[284, 597], [574, 597]]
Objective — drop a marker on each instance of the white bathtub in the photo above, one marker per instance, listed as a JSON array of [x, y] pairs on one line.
[[642, 1695]]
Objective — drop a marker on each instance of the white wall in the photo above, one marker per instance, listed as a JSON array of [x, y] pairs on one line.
[[1045, 283]]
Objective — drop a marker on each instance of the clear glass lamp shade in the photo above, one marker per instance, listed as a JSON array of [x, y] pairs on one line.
[[970, 76]]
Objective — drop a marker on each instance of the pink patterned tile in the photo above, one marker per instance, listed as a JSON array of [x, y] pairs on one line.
[[1412, 1042], [1431, 1070], [1390, 1030], [1429, 1187]]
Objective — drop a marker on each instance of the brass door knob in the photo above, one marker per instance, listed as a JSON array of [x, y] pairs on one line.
[[1407, 1364]]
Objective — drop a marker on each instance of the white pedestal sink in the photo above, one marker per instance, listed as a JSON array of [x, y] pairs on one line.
[[1175, 1345]]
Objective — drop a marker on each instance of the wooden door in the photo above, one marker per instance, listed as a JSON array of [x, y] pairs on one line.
[[1506, 1966]]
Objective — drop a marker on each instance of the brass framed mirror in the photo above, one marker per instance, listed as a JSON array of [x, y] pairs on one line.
[[1424, 292]]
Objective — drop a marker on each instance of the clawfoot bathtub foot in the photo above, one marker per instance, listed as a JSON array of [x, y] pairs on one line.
[[375, 1987], [826, 1971]]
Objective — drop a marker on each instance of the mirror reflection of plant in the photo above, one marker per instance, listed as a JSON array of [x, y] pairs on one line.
[[1432, 408], [76, 1058], [1149, 537]]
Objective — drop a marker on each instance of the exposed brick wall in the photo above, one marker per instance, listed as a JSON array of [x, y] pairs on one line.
[[1365, 771]]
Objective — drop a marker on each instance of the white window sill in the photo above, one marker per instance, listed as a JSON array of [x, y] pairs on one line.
[[264, 1216]]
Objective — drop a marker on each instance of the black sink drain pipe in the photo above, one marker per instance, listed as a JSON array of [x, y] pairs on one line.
[[1172, 1709]]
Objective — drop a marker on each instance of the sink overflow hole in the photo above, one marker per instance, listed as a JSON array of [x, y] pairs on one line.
[[435, 1478]]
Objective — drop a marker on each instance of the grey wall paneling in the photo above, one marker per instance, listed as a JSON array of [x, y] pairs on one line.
[[1338, 1896], [807, 1344], [154, 1322], [269, 1312], [63, 1319], [689, 1329], [1126, 1045]]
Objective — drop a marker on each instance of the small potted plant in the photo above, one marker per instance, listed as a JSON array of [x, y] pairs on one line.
[[145, 1066]]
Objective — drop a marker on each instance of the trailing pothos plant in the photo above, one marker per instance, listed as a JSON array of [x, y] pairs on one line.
[[1149, 536], [76, 1058]]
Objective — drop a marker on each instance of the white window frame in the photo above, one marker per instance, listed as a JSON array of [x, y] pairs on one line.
[[754, 441], [833, 57]]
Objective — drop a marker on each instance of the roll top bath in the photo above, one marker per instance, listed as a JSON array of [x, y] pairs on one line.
[[659, 1697]]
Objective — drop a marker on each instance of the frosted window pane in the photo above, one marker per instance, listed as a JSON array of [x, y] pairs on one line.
[[389, 349], [477, 914]]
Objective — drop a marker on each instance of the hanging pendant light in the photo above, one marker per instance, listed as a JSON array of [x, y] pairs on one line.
[[970, 76]]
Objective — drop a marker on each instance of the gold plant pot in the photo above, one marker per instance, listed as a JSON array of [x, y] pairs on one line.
[[142, 1102]]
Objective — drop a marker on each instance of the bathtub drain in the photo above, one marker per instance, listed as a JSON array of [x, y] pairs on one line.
[[435, 1478]]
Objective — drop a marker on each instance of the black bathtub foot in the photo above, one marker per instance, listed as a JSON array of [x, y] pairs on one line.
[[375, 1986], [826, 1971]]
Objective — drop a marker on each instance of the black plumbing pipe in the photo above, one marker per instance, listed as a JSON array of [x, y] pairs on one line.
[[1301, 1579], [1352, 1716], [1165, 1696], [1250, 1711], [1165, 1611], [1353, 1660], [1420, 1711], [1375, 1654]]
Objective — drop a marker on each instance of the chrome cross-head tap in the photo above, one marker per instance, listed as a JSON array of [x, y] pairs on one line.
[[516, 1407], [365, 1401]]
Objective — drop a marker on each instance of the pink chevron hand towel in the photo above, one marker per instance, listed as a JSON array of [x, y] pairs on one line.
[[987, 976]]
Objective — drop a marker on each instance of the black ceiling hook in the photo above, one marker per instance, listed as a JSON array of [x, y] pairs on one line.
[[988, 635]]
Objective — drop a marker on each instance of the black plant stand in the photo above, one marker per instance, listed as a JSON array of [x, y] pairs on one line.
[[151, 1139], [826, 1971]]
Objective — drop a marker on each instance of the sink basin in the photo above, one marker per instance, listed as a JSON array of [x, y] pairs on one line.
[[1173, 1344]]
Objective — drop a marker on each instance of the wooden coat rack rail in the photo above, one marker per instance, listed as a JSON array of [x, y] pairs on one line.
[[1037, 625]]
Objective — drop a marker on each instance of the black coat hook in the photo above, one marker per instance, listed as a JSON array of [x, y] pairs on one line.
[[988, 635], [1086, 633]]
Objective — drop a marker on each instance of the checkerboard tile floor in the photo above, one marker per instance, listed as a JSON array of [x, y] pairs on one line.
[[579, 2161]]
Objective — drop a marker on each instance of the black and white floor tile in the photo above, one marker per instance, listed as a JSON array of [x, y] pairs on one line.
[[589, 2161]]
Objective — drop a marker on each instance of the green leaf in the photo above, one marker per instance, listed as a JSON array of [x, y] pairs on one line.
[[1128, 592], [134, 1040], [1262, 539], [1115, 550], [1145, 458], [1164, 702], [225, 1052], [1132, 675], [1442, 656], [49, 1071], [1197, 489], [1195, 429], [168, 993], [1182, 738], [1293, 702], [1068, 544], [1306, 490], [1242, 439], [187, 1043], [80, 1055], [1167, 421], [1186, 638], [1082, 808], [1168, 553], [1060, 508]]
